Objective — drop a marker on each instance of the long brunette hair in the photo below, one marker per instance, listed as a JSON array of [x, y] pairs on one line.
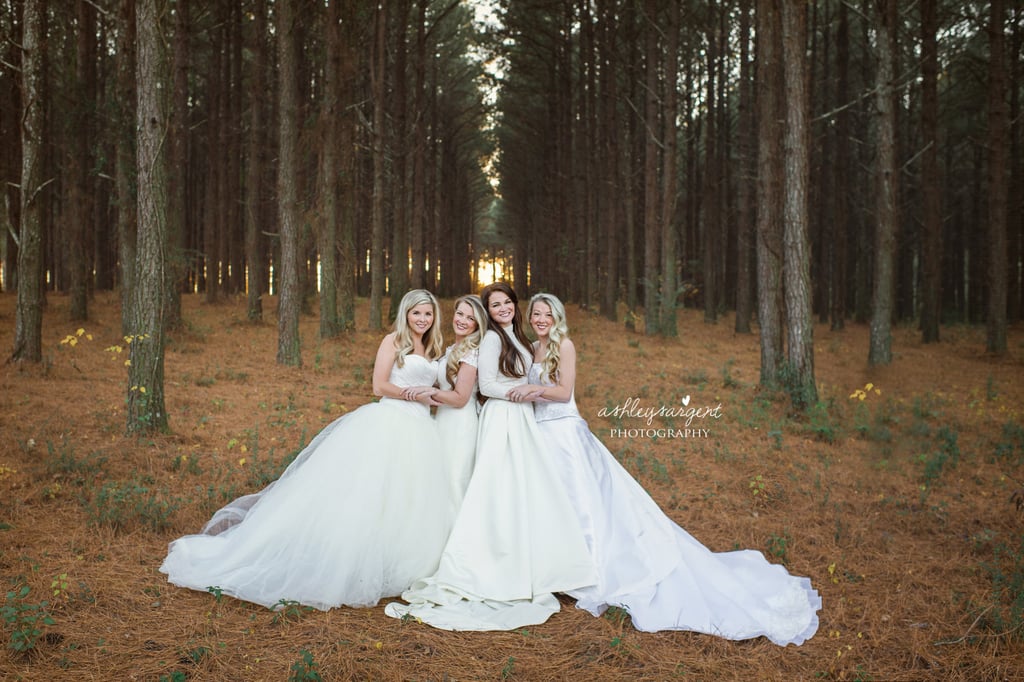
[[510, 362]]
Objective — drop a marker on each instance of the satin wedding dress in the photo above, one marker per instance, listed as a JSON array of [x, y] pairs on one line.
[[654, 569], [362, 512], [457, 427], [516, 539]]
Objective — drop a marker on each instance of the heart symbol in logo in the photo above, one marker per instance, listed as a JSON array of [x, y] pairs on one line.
[[686, 401]]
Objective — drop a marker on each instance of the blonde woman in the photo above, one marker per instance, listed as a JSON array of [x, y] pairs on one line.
[[456, 393], [362, 511], [647, 564]]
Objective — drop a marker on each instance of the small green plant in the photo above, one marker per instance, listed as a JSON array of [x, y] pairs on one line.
[[509, 669], [25, 620], [175, 676], [306, 669], [778, 545], [59, 585], [756, 486], [216, 591], [728, 381], [288, 610], [821, 424], [122, 505]]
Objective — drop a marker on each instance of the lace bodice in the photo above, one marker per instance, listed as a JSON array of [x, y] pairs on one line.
[[417, 371], [470, 358], [545, 411]]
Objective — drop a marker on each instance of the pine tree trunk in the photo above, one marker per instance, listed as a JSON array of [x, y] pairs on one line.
[[81, 164], [327, 220], [290, 293], [882, 300], [931, 251], [651, 192], [744, 194], [796, 258], [769, 190], [145, 403], [377, 219], [254, 250], [998, 139], [28, 321], [124, 163], [668, 325]]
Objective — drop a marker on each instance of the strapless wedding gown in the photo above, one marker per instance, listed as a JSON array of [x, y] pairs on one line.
[[362, 512], [457, 427], [654, 569], [516, 539]]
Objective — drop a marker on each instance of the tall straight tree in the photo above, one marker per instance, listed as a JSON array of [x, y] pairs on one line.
[[81, 164], [769, 189], [882, 298], [399, 279], [652, 225], [146, 411], [290, 294], [998, 139], [28, 321], [668, 176], [931, 228], [796, 254], [125, 177], [746, 154], [377, 75], [255, 284], [327, 220]]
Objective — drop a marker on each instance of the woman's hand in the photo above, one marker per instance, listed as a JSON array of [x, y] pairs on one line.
[[525, 393], [418, 392]]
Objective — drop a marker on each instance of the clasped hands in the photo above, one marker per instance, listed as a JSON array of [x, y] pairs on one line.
[[525, 393], [421, 394]]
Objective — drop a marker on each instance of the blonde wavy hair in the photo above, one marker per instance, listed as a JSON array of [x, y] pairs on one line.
[[559, 330], [472, 340], [433, 342]]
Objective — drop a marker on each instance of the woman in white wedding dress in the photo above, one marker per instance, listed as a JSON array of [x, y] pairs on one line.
[[456, 394], [362, 511], [649, 566], [516, 539]]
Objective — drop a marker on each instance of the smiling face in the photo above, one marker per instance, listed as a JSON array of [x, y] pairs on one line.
[[463, 323], [420, 318], [541, 319], [501, 308]]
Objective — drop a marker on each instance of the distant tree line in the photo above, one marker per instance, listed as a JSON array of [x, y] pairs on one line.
[[835, 159]]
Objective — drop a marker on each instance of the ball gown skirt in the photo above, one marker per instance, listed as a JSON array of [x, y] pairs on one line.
[[457, 429], [654, 569], [516, 539], [362, 512]]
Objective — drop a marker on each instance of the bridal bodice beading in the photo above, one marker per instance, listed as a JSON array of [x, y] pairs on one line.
[[546, 410], [415, 371]]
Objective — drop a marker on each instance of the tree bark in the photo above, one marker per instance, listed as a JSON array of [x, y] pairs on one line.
[[254, 251], [377, 134], [668, 326], [651, 192], [125, 170], [931, 243], [769, 190], [145, 402], [744, 194], [998, 139], [327, 220], [290, 293], [796, 258], [28, 321], [880, 351]]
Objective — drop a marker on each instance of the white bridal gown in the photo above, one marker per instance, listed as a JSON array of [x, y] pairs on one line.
[[654, 569], [457, 427], [516, 539], [362, 511]]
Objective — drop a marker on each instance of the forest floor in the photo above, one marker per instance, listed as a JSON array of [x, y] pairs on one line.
[[897, 506]]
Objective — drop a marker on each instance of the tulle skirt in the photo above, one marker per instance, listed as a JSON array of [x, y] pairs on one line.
[[363, 511]]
